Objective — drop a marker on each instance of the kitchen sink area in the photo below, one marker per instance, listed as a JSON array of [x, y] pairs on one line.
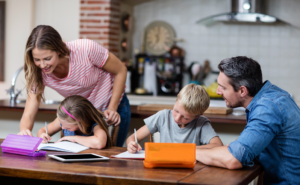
[[14, 93]]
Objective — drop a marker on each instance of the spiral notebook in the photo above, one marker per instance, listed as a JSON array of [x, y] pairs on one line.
[[63, 146]]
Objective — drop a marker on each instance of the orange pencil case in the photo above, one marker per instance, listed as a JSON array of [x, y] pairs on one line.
[[172, 155]]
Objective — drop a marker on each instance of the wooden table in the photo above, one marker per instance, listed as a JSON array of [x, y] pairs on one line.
[[44, 170]]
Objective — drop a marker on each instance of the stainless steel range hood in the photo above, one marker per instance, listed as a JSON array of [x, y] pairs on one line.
[[243, 11]]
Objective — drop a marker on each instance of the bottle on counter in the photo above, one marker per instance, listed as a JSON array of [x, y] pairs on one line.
[[129, 66]]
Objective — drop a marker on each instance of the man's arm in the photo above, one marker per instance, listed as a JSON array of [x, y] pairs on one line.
[[214, 142], [218, 156]]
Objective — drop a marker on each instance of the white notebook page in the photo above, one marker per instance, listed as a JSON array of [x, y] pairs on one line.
[[63, 146], [127, 155]]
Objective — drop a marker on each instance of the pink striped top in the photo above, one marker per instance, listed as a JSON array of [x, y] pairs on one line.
[[86, 76]]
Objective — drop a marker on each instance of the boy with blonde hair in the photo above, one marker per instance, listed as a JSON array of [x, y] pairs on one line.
[[183, 124]]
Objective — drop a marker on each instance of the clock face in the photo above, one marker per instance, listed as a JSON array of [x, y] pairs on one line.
[[159, 38]]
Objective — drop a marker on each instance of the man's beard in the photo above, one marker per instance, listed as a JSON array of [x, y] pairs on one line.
[[237, 104]]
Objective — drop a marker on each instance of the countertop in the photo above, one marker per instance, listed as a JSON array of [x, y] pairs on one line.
[[136, 100], [237, 117]]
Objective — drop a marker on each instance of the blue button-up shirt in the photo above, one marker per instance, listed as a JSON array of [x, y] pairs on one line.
[[272, 135]]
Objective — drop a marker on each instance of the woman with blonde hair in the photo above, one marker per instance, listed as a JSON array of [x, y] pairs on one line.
[[80, 67], [80, 122]]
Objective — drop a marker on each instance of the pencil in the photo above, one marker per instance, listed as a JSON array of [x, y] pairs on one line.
[[46, 129], [135, 139]]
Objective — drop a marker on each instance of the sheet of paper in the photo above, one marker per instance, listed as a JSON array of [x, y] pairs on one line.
[[63, 146], [127, 155]]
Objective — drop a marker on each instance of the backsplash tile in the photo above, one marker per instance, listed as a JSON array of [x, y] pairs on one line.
[[275, 47]]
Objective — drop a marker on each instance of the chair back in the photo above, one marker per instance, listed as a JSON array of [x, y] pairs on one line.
[[150, 138], [113, 132], [155, 137]]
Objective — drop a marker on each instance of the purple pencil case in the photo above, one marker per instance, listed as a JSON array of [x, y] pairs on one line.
[[23, 145]]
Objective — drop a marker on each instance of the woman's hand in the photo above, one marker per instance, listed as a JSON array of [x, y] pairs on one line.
[[67, 138], [114, 66], [133, 147], [25, 132], [46, 138], [112, 117]]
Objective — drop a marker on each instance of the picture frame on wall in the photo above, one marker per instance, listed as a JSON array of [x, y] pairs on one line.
[[2, 39]]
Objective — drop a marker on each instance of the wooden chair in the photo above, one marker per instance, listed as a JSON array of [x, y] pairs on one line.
[[261, 179], [150, 138], [154, 137], [112, 130]]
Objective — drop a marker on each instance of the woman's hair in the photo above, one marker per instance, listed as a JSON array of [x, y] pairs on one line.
[[242, 71], [194, 99], [45, 38], [85, 115]]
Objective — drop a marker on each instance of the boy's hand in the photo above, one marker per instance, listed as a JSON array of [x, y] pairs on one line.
[[67, 138], [46, 138], [132, 147]]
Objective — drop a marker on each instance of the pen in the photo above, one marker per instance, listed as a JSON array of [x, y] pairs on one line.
[[46, 129], [135, 138]]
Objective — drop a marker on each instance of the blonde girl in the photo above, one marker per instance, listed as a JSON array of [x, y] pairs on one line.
[[80, 122]]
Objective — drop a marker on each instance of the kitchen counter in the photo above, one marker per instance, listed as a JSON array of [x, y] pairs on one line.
[[146, 99], [5, 105], [214, 118], [134, 102]]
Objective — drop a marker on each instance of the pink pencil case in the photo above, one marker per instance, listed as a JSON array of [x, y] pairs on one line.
[[22, 145]]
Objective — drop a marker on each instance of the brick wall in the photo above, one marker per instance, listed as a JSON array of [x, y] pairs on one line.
[[100, 21]]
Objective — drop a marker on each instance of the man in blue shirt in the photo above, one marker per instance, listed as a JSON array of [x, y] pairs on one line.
[[272, 133]]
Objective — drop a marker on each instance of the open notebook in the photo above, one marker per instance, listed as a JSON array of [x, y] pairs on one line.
[[63, 146], [127, 155]]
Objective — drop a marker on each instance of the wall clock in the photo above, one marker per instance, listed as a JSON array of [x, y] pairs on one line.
[[159, 38]]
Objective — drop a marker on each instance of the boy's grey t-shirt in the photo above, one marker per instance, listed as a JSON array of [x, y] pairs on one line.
[[198, 131]]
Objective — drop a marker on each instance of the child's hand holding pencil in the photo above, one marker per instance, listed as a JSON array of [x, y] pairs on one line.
[[133, 147], [46, 138]]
